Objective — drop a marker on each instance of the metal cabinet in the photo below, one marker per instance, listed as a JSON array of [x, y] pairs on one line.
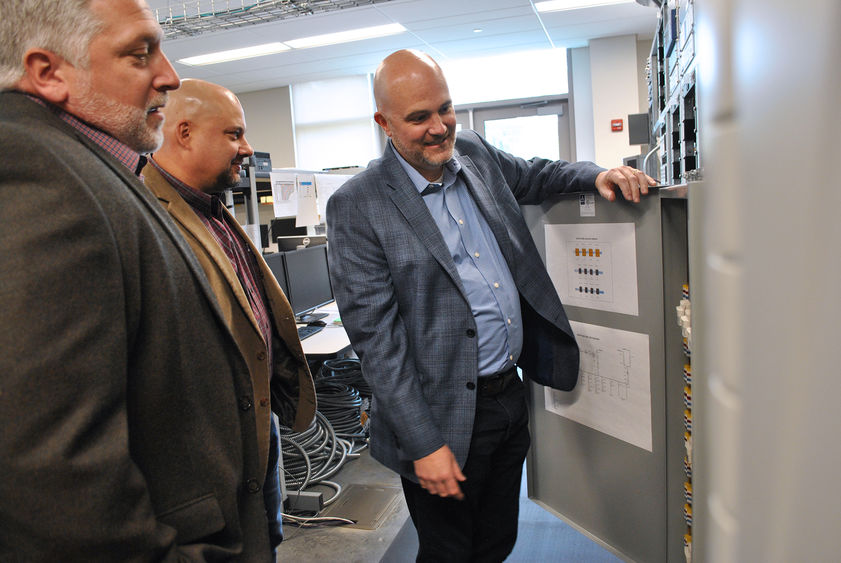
[[626, 497]]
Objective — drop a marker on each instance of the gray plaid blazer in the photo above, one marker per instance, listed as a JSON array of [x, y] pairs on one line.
[[127, 415], [405, 309]]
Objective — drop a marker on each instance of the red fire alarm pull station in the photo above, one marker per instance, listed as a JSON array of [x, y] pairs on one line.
[[615, 124]]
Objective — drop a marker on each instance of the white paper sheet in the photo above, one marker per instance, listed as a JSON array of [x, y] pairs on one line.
[[594, 265], [613, 394], [284, 194], [325, 185], [307, 201]]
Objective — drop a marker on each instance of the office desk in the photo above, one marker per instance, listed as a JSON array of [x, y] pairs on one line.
[[332, 341]]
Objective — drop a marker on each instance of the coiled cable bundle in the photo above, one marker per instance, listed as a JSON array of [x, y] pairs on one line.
[[342, 406], [337, 434], [310, 458], [347, 371], [314, 455]]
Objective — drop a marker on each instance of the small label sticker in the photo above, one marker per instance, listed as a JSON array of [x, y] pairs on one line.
[[587, 205]]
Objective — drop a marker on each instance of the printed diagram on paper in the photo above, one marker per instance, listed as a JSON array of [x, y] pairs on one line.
[[614, 382], [591, 274], [613, 394], [594, 265], [284, 194], [285, 189]]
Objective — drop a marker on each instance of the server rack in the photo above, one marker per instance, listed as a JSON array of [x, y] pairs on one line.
[[673, 108]]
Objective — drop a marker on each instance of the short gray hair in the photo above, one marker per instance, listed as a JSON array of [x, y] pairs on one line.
[[64, 27]]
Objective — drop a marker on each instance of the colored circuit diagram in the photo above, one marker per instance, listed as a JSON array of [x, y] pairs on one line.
[[590, 272]]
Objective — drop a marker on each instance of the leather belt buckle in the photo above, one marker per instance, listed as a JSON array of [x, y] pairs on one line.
[[496, 384]]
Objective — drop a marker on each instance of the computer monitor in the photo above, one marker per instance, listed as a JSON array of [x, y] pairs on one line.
[[308, 279], [293, 243], [264, 235], [278, 268], [285, 228]]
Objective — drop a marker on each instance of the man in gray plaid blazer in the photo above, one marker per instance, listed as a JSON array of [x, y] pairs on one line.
[[443, 294]]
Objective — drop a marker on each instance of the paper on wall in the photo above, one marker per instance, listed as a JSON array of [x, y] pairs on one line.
[[307, 201], [284, 194], [613, 394], [325, 185], [594, 265]]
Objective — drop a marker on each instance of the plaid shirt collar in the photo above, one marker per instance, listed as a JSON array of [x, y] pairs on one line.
[[209, 205], [132, 160]]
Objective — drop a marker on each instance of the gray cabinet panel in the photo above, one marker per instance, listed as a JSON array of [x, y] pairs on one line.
[[625, 497]]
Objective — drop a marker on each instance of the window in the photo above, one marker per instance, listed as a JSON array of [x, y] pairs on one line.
[[528, 136], [334, 125]]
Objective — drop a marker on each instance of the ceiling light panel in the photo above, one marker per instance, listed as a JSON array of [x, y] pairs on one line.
[[346, 36], [561, 5], [235, 54]]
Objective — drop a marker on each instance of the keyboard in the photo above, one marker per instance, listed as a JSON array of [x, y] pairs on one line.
[[308, 330]]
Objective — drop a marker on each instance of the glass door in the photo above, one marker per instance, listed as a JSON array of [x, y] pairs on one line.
[[524, 129]]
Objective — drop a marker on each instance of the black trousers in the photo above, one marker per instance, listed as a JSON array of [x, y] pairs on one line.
[[483, 526]]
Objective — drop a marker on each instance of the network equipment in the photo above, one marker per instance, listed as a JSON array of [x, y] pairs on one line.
[[308, 279], [672, 100]]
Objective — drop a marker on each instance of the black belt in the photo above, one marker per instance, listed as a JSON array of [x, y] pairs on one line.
[[497, 383]]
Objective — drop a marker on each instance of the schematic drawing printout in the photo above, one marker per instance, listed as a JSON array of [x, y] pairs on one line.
[[613, 394], [594, 265]]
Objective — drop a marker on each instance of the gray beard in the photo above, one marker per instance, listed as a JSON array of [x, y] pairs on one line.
[[123, 122]]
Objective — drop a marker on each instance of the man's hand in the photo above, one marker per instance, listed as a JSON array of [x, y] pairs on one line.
[[630, 181], [440, 474]]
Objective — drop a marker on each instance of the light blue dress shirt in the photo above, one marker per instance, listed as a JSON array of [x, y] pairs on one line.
[[490, 288]]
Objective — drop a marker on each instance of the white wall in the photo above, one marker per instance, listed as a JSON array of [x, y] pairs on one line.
[[615, 83], [268, 116], [607, 81]]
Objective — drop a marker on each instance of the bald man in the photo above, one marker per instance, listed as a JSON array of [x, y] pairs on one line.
[[202, 152], [444, 295]]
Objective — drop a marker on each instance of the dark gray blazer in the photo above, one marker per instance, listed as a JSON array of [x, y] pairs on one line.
[[404, 307], [127, 428]]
